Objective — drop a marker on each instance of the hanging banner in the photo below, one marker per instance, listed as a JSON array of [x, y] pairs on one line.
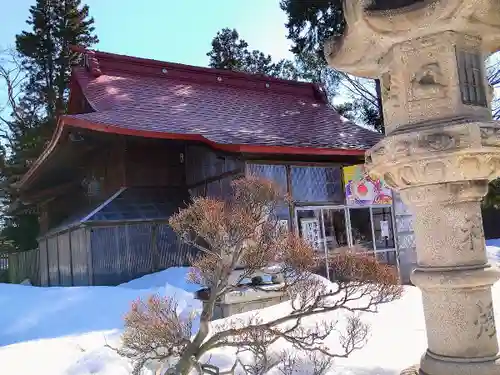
[[362, 190]]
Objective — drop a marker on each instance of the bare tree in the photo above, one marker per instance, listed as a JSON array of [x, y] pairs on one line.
[[12, 78], [493, 70], [318, 363], [17, 116], [242, 231], [290, 363], [364, 100], [262, 359]]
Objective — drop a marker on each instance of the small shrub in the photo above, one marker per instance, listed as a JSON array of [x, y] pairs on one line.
[[240, 231]]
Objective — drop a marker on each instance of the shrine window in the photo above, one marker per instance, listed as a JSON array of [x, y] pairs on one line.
[[472, 83], [317, 184]]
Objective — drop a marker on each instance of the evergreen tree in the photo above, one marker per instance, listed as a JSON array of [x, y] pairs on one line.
[[310, 24], [55, 26], [232, 53], [44, 60]]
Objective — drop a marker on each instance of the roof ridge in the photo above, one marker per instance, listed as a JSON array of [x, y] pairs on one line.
[[95, 61]]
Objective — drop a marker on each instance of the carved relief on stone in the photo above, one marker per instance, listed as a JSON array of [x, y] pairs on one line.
[[402, 148], [428, 82], [436, 170], [408, 176], [490, 136], [470, 166], [490, 93], [378, 150], [391, 85], [472, 232], [390, 181], [441, 168], [441, 141], [484, 16], [494, 166], [392, 95], [485, 321], [444, 193], [420, 143]]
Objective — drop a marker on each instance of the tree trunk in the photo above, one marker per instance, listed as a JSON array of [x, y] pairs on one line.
[[378, 89], [185, 364]]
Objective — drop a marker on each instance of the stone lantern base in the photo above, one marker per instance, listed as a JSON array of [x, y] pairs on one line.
[[488, 367], [246, 299], [441, 149]]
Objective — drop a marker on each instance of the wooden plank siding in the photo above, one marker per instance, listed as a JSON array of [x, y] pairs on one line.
[[108, 167], [24, 265], [211, 173], [154, 163]]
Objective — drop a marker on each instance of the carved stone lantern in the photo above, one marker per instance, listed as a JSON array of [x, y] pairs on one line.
[[441, 149]]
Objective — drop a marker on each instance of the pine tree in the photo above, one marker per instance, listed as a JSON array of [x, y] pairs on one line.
[[45, 61], [310, 24], [232, 53], [56, 25]]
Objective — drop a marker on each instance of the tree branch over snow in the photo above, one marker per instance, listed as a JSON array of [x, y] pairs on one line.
[[243, 231]]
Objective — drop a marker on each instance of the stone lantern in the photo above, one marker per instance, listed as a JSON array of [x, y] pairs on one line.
[[441, 149]]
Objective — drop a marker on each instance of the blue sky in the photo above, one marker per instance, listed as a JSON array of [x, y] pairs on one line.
[[171, 30]]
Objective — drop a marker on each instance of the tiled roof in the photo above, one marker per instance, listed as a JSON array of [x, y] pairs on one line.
[[235, 112], [223, 107]]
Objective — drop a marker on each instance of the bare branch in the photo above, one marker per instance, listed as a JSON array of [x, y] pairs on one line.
[[290, 363], [13, 77], [154, 332], [244, 232], [358, 87], [319, 363]]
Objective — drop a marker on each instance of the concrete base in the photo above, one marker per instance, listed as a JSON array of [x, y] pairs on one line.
[[458, 366], [248, 299], [223, 310]]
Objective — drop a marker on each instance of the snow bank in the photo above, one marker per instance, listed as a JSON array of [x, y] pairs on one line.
[[54, 330], [174, 276], [31, 313], [63, 331], [493, 251]]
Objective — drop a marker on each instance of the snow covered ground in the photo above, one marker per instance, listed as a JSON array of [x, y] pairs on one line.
[[62, 331]]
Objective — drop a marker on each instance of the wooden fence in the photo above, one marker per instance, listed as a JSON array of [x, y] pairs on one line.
[[4, 267], [24, 265]]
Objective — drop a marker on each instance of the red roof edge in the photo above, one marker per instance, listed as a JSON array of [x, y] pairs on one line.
[[65, 121], [43, 156], [141, 64]]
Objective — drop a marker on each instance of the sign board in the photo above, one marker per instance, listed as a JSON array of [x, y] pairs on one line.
[[311, 232], [384, 229], [362, 190]]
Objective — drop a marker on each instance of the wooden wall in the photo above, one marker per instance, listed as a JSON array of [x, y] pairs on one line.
[[211, 173], [107, 166], [154, 163], [117, 162], [62, 207], [110, 255], [65, 259]]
